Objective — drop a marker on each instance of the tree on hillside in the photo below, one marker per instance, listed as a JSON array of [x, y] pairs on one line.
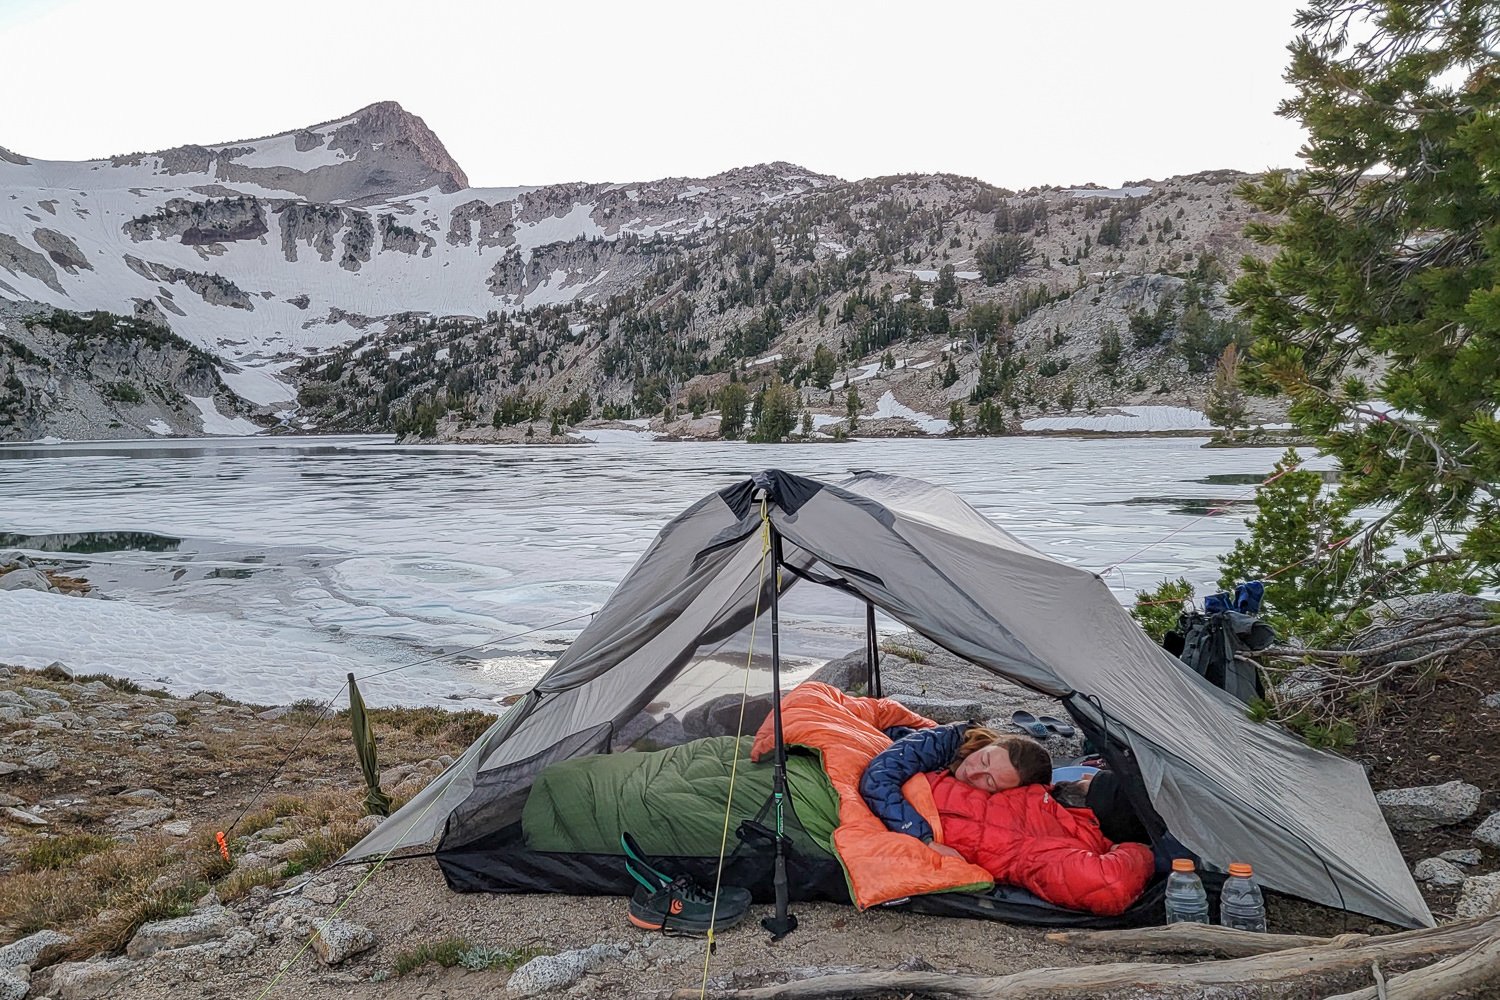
[[732, 401], [1110, 348], [824, 366], [1226, 399], [1389, 247], [945, 290], [1003, 257], [854, 405], [776, 413]]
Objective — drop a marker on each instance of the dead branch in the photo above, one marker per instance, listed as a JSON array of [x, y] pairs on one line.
[[1195, 939], [1479, 966], [1274, 967]]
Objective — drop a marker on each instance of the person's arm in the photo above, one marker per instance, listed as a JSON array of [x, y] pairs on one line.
[[914, 754]]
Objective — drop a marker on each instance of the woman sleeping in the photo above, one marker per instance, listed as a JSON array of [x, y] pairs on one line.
[[998, 812]]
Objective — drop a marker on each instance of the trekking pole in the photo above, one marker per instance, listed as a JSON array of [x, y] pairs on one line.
[[783, 923]]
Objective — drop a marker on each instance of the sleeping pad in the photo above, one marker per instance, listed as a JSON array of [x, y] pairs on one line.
[[672, 801]]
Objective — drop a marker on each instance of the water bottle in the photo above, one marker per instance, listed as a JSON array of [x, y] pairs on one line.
[[1240, 902], [1187, 903]]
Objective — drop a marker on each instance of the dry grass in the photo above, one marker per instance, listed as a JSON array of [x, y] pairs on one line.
[[58, 852]]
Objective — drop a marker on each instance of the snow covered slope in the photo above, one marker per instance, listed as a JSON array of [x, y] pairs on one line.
[[266, 249]]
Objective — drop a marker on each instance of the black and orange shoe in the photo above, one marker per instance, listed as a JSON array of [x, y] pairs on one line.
[[678, 905], [683, 907]]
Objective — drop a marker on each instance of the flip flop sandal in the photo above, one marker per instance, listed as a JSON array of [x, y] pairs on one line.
[[1029, 722], [1058, 726]]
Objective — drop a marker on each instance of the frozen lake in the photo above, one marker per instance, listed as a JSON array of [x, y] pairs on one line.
[[267, 569]]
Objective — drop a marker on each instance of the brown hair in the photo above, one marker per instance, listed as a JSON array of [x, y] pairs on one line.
[[1030, 759]]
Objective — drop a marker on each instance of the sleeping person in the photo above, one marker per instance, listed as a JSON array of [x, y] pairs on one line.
[[998, 812]]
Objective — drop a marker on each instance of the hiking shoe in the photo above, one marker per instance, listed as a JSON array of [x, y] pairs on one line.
[[683, 907]]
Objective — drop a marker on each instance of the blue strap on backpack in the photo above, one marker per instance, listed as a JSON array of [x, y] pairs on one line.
[[1215, 603]]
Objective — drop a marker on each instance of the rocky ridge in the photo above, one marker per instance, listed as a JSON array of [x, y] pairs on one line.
[[646, 297]]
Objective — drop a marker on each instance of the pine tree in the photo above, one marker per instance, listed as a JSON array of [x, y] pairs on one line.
[[854, 407], [732, 402], [945, 291], [1226, 400], [956, 416], [950, 374], [1111, 350], [1068, 397], [1389, 247]]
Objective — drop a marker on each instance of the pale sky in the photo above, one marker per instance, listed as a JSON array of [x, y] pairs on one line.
[[1016, 93]]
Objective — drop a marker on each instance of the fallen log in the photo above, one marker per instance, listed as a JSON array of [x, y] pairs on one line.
[[1196, 939], [1259, 970], [1479, 966]]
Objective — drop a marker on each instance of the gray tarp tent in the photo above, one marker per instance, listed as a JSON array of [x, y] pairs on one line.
[[1227, 787]]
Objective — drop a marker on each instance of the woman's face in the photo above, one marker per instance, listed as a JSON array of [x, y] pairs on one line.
[[988, 769]]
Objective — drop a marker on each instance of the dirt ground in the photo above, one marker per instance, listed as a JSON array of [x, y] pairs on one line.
[[85, 872]]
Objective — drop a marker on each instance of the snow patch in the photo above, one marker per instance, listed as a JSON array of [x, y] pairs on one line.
[[215, 424], [260, 385], [1133, 419], [889, 408], [158, 426]]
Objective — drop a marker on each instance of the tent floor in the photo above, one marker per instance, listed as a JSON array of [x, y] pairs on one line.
[[502, 863]]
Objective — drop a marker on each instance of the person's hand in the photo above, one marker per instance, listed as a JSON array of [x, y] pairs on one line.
[[945, 850], [1086, 780]]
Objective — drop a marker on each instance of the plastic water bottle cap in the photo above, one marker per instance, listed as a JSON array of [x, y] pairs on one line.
[[1183, 865], [1239, 870]]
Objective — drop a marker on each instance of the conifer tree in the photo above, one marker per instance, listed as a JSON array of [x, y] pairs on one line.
[[1226, 400], [1389, 247]]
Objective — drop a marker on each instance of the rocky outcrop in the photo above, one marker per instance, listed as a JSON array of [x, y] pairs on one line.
[[496, 224], [1425, 807], [63, 251], [198, 223], [319, 227], [403, 239], [19, 259]]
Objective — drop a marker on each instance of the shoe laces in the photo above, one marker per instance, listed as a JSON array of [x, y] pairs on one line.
[[688, 889]]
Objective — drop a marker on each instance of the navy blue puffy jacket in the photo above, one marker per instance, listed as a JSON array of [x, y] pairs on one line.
[[918, 752]]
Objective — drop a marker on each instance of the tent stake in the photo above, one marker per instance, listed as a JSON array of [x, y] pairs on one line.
[[783, 923]]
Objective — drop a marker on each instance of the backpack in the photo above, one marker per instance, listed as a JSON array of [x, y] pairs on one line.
[[1208, 640]]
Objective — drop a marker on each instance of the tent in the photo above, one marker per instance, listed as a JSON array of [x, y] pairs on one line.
[[1227, 787]]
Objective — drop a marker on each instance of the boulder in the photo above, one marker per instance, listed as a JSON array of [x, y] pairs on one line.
[[365, 825], [26, 579], [177, 828], [1425, 807], [1467, 856], [138, 819], [550, 973], [1488, 832], [848, 673], [211, 924], [1399, 617], [48, 761], [7, 768], [338, 940], [721, 716], [34, 949], [1438, 873], [15, 983], [161, 719], [93, 980], [1492, 700], [941, 710], [23, 817], [142, 795], [1480, 896]]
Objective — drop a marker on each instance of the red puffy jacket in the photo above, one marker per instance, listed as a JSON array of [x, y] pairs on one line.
[[1024, 837]]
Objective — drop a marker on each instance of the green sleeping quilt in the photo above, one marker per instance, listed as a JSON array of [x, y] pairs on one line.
[[672, 801]]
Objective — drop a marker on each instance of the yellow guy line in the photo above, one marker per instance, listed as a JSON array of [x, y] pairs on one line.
[[739, 729]]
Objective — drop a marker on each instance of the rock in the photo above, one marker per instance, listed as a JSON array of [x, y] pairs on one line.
[[1480, 896], [177, 828], [1438, 873], [847, 673], [161, 719], [204, 698], [142, 795], [12, 713], [14, 557], [366, 825], [940, 709], [48, 761], [338, 940], [195, 745], [721, 716], [15, 982], [10, 800], [548, 973], [272, 714], [24, 817], [326, 893], [1492, 700], [26, 579], [1399, 617], [12, 698], [211, 924], [44, 699], [137, 819], [158, 729], [1424, 807], [1467, 856], [34, 949], [1488, 832], [283, 850], [93, 980], [239, 944], [7, 768]]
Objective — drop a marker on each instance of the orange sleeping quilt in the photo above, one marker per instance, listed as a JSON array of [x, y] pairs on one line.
[[847, 731]]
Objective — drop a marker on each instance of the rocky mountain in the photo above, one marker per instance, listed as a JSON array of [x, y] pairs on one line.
[[345, 276]]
